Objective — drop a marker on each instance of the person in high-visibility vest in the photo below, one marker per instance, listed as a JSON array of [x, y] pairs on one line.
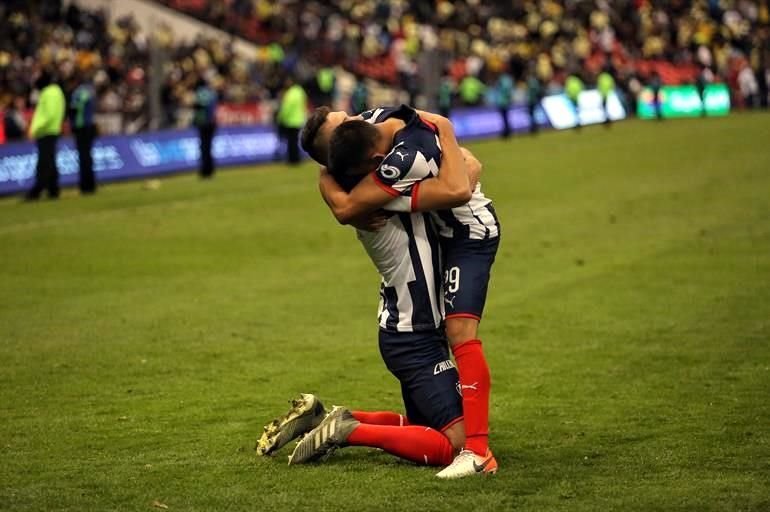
[[45, 129], [605, 83], [291, 117], [573, 86]]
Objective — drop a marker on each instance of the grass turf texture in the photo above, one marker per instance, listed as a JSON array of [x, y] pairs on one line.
[[146, 336]]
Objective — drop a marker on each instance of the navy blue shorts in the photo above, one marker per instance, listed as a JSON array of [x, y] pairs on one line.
[[429, 380], [467, 267]]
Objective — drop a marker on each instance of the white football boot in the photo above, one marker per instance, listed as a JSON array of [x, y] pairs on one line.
[[468, 463]]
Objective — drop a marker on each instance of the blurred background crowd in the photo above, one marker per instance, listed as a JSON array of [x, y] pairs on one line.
[[436, 54]]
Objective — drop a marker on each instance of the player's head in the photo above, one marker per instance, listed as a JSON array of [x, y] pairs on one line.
[[318, 130], [352, 152]]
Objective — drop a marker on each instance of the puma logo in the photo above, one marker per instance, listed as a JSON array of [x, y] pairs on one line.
[[402, 155]]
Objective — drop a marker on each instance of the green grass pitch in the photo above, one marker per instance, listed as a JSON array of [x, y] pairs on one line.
[[147, 335]]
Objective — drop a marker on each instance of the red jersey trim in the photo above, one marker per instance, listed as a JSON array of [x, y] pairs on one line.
[[387, 188], [430, 125], [463, 315], [415, 201]]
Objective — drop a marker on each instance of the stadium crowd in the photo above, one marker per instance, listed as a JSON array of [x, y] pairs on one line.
[[684, 41], [678, 41]]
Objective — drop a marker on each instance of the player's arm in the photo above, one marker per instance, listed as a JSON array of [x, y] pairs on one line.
[[452, 187], [355, 207], [473, 165]]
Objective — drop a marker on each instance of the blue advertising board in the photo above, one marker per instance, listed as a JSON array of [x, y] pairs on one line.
[[487, 122], [138, 156], [124, 157]]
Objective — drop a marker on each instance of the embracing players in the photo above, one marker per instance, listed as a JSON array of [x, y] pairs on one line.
[[405, 251], [406, 151]]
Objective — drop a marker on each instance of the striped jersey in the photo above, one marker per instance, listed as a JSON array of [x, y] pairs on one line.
[[416, 155], [406, 254]]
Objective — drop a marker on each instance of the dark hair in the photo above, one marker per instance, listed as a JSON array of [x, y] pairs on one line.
[[350, 148], [309, 138], [44, 79]]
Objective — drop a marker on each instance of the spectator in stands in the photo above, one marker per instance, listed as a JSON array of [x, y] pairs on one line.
[[13, 120], [503, 92], [382, 41], [168, 104], [205, 120], [82, 106], [292, 114], [46, 128], [747, 85]]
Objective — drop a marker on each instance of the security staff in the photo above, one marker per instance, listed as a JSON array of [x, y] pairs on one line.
[[292, 114], [206, 122], [46, 129]]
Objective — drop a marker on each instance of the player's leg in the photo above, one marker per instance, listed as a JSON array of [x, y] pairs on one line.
[[420, 361], [415, 442], [381, 418], [422, 445], [467, 271], [433, 406]]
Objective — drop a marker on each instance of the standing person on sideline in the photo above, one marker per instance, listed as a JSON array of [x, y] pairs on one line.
[[291, 117], [503, 92], [326, 82], [657, 101], [534, 97], [445, 93], [45, 129], [606, 85], [84, 130], [206, 122], [359, 98], [573, 86], [471, 90]]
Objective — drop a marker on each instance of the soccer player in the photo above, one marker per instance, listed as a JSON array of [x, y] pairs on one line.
[[411, 343], [469, 238]]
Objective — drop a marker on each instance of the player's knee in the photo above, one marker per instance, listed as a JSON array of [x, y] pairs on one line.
[[460, 330], [456, 435]]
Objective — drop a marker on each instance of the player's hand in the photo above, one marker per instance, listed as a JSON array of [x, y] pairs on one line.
[[473, 166], [441, 122], [323, 170], [372, 222]]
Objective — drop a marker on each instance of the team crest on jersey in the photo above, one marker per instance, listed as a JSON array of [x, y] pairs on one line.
[[390, 172]]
